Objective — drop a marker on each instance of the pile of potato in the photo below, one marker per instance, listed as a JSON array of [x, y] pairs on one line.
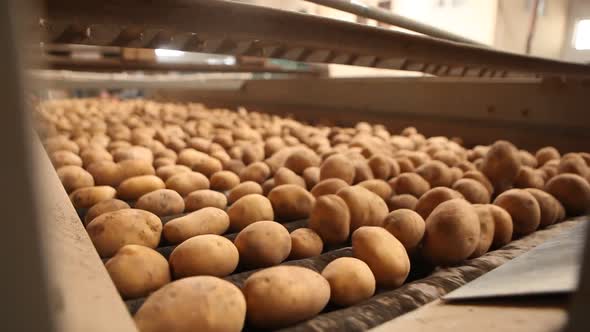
[[211, 172]]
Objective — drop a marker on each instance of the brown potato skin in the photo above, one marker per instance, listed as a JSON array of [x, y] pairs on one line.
[[473, 191], [137, 271], [529, 178], [224, 180], [481, 178], [302, 158], [137, 186], [337, 166], [112, 230], [283, 295], [403, 201], [209, 220], [99, 208], [523, 208], [290, 202], [286, 176], [263, 244], [433, 198], [501, 165], [546, 154], [305, 243], [380, 166], [203, 198], [186, 183], [135, 167], [311, 175], [549, 205], [257, 172], [407, 226], [161, 202], [573, 163], [165, 172], [330, 218], [328, 187], [487, 228], [188, 258], [377, 186], [64, 158], [436, 173], [384, 254], [105, 173], [409, 183], [222, 307], [366, 208], [572, 190], [452, 233], [503, 226], [249, 209], [88, 196], [74, 177], [351, 281]]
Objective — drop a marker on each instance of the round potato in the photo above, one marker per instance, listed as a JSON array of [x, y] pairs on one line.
[[134, 153], [243, 189], [529, 178], [405, 165], [302, 158], [137, 186], [106, 173], [290, 202], [92, 155], [112, 230], [224, 180], [249, 209], [102, 207], [432, 198], [222, 307], [305, 242], [384, 254], [487, 227], [86, 197], [328, 187], [186, 183], [380, 166], [161, 202], [283, 295], [546, 154], [473, 191], [286, 176], [137, 271], [501, 165], [573, 163], [165, 172], [234, 165], [311, 175], [263, 243], [550, 207], [407, 226], [337, 166], [503, 226], [351, 281], [209, 220], [523, 208], [74, 177], [452, 233], [573, 191], [409, 183], [404, 201], [267, 186], [366, 208], [203, 198], [257, 172], [436, 173], [379, 187], [330, 218], [207, 254]]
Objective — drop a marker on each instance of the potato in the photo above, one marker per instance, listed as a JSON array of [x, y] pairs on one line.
[[208, 220], [328, 186], [234, 166], [252, 153], [222, 307], [407, 226], [549, 205], [159, 162], [111, 231], [61, 143], [207, 166], [106, 173], [405, 165], [337, 166], [362, 171], [366, 208], [481, 178], [573, 191], [286, 176], [446, 156], [501, 165], [290, 202], [161, 202], [135, 167], [503, 227], [311, 175], [330, 218], [133, 153], [137, 271], [487, 228], [546, 154], [409, 183], [65, 158], [92, 155], [166, 172], [272, 145], [433, 198], [384, 254], [573, 163], [203, 198], [283, 295], [207, 254], [74, 177], [452, 233], [88, 196], [456, 174], [243, 189], [466, 166], [380, 166], [351, 281], [436, 173], [263, 243], [473, 191], [249, 209], [102, 207], [257, 172], [523, 208], [137, 186], [186, 183], [302, 158], [379, 187], [404, 201], [529, 178], [305, 243]]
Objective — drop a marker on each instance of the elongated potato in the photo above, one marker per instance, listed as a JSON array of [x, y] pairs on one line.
[[404, 201], [351, 281], [573, 191], [573, 163], [381, 166], [263, 244], [186, 183], [529, 178], [102, 207], [106, 173], [137, 271], [161, 202], [207, 254], [503, 227], [222, 307], [290, 202], [135, 167], [283, 295], [74, 177], [384, 254], [432, 198], [243, 189], [302, 158], [134, 153], [328, 187], [165, 172], [88, 196], [337, 166], [257, 172], [113, 230], [249, 209], [366, 208], [209, 220], [452, 233], [501, 165], [286, 176], [407, 226], [409, 183], [546, 154], [473, 191], [487, 229], [203, 198], [93, 154], [305, 243], [311, 175], [436, 173], [523, 208], [137, 186], [224, 180], [379, 187], [65, 158], [330, 218]]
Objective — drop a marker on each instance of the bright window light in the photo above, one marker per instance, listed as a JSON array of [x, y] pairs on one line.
[[168, 53], [582, 35]]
